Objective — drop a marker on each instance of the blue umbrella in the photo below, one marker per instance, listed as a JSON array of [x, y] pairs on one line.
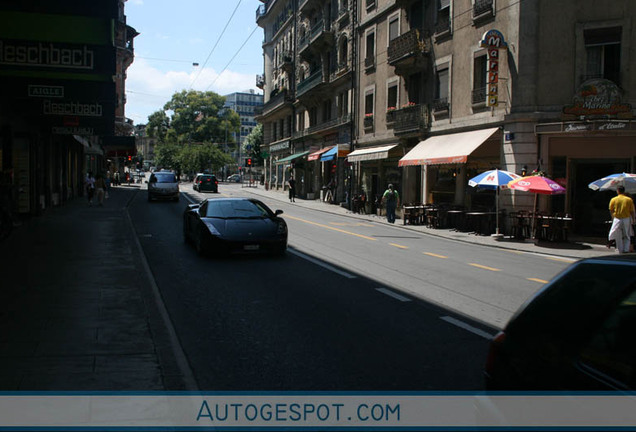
[[613, 180], [493, 179]]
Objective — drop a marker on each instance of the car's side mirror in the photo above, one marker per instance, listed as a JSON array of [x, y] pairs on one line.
[[278, 212], [146, 181]]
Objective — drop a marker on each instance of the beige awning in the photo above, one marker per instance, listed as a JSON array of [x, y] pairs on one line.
[[370, 153], [446, 149]]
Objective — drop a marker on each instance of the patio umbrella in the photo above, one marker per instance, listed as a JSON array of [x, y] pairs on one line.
[[537, 185], [493, 179], [611, 181]]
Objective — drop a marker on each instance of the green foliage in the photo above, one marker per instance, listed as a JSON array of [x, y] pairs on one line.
[[254, 141], [195, 158], [166, 155]]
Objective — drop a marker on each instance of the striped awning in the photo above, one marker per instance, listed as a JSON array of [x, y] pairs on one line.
[[370, 153], [288, 159], [316, 155]]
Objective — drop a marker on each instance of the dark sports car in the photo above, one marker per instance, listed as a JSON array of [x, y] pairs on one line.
[[224, 226]]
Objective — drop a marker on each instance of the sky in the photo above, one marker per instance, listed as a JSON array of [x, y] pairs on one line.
[[176, 34]]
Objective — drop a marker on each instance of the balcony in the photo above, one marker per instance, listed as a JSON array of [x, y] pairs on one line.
[[479, 97], [260, 81], [307, 6], [441, 106], [483, 10], [321, 35], [407, 52], [309, 83], [368, 122], [412, 119], [443, 27], [277, 100], [287, 62], [261, 11], [329, 125]]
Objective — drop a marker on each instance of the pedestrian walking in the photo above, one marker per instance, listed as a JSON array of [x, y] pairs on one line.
[[391, 200], [292, 189], [621, 209], [89, 185], [100, 187]]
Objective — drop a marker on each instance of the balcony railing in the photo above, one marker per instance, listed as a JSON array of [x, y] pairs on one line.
[[277, 99], [368, 121], [411, 119], [479, 96], [406, 45], [443, 25], [309, 83], [483, 9], [260, 11], [441, 105], [339, 121]]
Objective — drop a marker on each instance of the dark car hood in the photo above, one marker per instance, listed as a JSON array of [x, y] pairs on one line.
[[244, 229]]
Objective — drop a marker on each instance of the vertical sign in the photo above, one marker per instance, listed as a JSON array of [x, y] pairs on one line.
[[493, 41]]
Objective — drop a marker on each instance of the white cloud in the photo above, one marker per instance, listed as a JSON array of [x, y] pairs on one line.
[[149, 88]]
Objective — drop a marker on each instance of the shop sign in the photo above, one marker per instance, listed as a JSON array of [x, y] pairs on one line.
[[598, 97], [493, 41], [279, 146], [44, 91]]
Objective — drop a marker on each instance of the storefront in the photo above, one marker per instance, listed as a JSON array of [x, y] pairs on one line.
[[292, 165], [376, 168], [449, 161]]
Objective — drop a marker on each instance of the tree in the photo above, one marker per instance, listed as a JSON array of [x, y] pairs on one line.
[[167, 155], [158, 125], [194, 158], [252, 145]]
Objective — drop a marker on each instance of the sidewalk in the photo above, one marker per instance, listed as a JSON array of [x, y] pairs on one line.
[[576, 248], [79, 311]]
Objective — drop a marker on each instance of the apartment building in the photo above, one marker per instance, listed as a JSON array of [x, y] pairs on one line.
[[446, 89], [307, 119], [246, 104]]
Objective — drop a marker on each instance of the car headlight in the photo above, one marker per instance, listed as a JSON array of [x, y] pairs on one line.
[[211, 228], [282, 228]]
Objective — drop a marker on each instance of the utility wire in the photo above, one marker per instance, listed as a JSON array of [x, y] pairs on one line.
[[217, 42], [233, 57]]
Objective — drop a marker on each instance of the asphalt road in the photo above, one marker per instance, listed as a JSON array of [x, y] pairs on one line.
[[351, 307]]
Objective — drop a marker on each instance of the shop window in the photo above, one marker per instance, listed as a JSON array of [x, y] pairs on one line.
[[603, 54]]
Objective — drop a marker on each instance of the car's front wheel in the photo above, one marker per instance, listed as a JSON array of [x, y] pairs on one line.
[[200, 243]]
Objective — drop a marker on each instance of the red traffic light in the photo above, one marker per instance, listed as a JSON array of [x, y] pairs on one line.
[[129, 158]]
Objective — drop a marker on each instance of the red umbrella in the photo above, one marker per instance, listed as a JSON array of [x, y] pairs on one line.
[[537, 185]]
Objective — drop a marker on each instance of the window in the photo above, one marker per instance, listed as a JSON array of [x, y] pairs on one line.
[[443, 16], [480, 78], [326, 111], [392, 95], [441, 102], [394, 27], [368, 103], [369, 60], [603, 53], [343, 52], [343, 104]]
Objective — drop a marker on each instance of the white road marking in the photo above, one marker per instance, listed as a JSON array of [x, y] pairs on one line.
[[393, 294], [322, 264], [468, 327]]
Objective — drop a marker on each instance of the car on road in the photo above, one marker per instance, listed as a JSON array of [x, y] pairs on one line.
[[163, 185], [234, 178], [577, 333], [205, 182], [224, 226]]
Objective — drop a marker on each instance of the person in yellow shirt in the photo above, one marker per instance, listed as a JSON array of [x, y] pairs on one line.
[[621, 208]]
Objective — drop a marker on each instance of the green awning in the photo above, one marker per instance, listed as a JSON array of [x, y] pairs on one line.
[[288, 159]]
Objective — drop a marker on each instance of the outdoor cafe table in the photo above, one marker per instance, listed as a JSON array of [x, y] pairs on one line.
[[455, 219], [551, 227], [481, 222], [413, 214]]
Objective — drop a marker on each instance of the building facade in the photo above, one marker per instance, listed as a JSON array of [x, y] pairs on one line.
[[246, 104], [446, 89], [58, 105]]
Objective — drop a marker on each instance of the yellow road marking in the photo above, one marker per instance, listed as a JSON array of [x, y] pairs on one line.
[[350, 224], [560, 259], [537, 280], [483, 267], [399, 246], [434, 255], [331, 228]]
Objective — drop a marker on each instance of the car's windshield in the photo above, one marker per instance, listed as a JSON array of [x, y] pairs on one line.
[[235, 209], [165, 178]]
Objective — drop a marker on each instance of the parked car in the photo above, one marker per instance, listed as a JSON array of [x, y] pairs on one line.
[[205, 182], [577, 333], [234, 178], [163, 185], [224, 226]]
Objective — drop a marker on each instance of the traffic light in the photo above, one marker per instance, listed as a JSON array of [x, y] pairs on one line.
[[248, 162], [129, 158]]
